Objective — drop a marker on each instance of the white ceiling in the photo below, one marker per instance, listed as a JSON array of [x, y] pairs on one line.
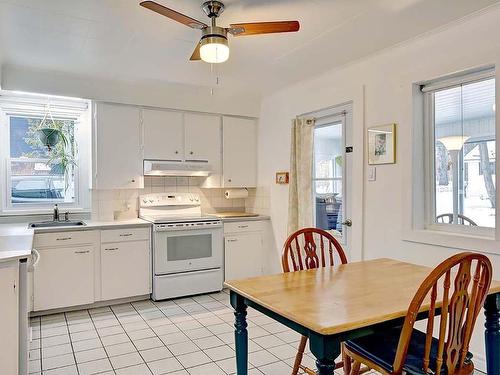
[[119, 40]]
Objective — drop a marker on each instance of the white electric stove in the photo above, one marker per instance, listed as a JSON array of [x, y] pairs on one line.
[[187, 246]]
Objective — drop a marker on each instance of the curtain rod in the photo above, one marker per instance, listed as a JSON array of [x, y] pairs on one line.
[[343, 112]]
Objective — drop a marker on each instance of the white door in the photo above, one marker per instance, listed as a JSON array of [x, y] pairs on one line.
[[163, 135], [118, 151], [64, 277], [243, 256], [332, 175], [125, 269], [239, 152], [9, 324], [203, 144]]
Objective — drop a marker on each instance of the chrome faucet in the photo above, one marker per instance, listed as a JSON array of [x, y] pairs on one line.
[[55, 217]]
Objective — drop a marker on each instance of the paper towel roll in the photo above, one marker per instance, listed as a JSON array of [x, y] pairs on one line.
[[236, 193]]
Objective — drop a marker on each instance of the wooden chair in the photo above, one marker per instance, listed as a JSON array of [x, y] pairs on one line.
[[448, 219], [307, 249], [407, 350]]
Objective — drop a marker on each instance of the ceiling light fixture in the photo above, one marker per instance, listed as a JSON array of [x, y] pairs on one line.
[[214, 48]]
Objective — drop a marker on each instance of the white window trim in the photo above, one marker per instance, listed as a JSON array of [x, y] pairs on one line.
[[419, 182], [23, 106]]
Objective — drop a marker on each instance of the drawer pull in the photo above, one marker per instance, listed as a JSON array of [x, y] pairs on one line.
[[242, 226], [126, 235], [111, 249], [63, 239], [82, 252], [232, 240]]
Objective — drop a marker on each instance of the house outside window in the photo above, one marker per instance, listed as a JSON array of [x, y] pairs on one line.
[[461, 139], [36, 175]]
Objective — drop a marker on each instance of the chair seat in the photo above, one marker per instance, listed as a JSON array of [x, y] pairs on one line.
[[381, 347]]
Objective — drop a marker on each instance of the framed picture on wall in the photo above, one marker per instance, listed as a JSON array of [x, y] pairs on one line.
[[282, 177], [382, 144]]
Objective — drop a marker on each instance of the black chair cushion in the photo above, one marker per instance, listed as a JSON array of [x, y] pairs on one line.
[[381, 347]]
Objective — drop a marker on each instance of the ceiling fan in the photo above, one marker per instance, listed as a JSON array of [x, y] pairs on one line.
[[213, 46]]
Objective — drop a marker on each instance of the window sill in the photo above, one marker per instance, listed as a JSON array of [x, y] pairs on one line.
[[38, 212], [473, 242]]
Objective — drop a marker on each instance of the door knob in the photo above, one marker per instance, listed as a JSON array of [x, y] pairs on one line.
[[348, 223]]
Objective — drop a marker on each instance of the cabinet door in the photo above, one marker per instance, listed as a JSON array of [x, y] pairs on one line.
[[119, 156], [163, 135], [243, 256], [125, 269], [9, 324], [239, 152], [203, 143], [64, 277]]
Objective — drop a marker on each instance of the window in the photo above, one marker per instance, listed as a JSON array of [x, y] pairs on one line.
[[327, 178], [43, 163], [462, 170]]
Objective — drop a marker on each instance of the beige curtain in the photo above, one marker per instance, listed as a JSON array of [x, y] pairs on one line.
[[300, 209]]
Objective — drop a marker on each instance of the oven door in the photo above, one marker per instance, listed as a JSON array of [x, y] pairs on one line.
[[187, 250]]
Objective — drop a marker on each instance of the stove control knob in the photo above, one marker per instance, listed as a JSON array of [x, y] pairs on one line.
[[145, 200], [151, 200]]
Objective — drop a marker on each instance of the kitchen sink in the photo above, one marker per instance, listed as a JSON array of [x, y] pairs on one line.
[[55, 224]]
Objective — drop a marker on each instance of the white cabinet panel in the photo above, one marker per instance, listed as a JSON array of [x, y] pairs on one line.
[[118, 151], [9, 325], [239, 152], [163, 134], [203, 143], [243, 255], [64, 277], [125, 269]]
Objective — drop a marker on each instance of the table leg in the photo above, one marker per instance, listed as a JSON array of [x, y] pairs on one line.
[[492, 334], [240, 333], [325, 349]]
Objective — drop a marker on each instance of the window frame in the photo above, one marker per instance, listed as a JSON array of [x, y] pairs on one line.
[[428, 90], [28, 105]]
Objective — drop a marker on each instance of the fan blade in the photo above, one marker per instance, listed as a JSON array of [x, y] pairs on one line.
[[196, 53], [172, 14], [255, 28]]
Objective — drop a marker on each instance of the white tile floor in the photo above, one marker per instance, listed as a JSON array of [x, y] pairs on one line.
[[179, 337]]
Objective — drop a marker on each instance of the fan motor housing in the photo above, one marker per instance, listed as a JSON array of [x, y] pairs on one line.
[[214, 32]]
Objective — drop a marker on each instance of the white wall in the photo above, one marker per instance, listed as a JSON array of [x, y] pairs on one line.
[[157, 94], [381, 90]]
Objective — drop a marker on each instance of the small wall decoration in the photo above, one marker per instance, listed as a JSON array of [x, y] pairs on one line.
[[382, 144], [282, 177]]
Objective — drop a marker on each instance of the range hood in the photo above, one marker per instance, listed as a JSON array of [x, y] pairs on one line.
[[177, 168]]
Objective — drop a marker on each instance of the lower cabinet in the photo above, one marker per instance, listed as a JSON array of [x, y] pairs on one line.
[[243, 250], [125, 269], [9, 339], [63, 277]]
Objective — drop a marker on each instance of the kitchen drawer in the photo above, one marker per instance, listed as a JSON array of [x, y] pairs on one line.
[[127, 234], [64, 238], [243, 226]]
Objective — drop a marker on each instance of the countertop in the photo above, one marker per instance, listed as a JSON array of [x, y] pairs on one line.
[[229, 219], [15, 242]]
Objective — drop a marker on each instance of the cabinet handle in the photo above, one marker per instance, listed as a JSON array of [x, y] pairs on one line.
[[82, 252], [191, 153], [232, 240], [229, 180], [176, 152], [111, 249], [63, 239], [242, 226], [133, 180], [125, 235]]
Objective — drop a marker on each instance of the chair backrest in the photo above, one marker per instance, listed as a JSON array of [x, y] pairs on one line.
[[310, 248], [458, 311], [448, 219]]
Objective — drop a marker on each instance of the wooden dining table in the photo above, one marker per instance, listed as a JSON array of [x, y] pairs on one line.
[[333, 304]]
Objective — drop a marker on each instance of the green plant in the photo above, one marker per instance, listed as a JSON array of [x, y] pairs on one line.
[[61, 155]]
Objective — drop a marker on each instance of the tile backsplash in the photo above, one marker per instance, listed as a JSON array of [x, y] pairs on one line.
[[124, 204]]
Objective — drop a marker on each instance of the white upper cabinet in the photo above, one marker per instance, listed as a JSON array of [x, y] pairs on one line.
[[163, 135], [118, 154], [203, 144], [239, 152]]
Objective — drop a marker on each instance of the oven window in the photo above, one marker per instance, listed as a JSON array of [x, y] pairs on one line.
[[189, 247]]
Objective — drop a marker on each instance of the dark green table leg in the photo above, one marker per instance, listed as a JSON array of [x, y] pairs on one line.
[[325, 349], [492, 334], [240, 333]]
